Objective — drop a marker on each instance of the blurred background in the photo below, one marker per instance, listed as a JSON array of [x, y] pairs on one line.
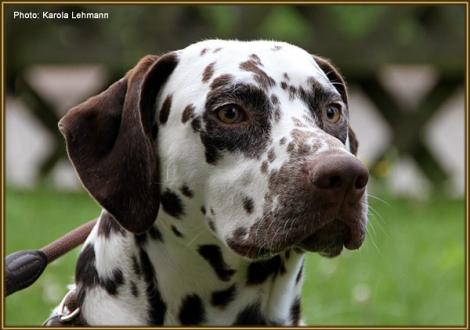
[[405, 67]]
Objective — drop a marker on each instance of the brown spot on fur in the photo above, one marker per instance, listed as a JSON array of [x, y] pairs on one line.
[[208, 72], [248, 204], [274, 99], [277, 114], [283, 85], [211, 224], [221, 81], [256, 59], [292, 92], [271, 155], [298, 123], [217, 50], [187, 113], [286, 76], [239, 233], [290, 147], [276, 48], [264, 167], [259, 75], [203, 51], [165, 110], [282, 141]]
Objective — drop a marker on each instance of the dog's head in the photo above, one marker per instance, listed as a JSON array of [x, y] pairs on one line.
[[255, 134]]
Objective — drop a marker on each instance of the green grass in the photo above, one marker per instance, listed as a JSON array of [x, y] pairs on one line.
[[410, 270]]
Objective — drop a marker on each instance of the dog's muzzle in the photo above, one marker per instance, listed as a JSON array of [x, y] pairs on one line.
[[337, 186]]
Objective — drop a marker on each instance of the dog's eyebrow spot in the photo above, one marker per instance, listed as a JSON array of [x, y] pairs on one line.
[[176, 231], [208, 72], [192, 310], [165, 110], [222, 81], [259, 75], [222, 298], [203, 51], [186, 191], [213, 255], [171, 203], [248, 204], [295, 311], [256, 59], [217, 50], [188, 113]]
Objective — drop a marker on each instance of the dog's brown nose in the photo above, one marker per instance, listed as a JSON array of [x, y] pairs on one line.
[[340, 174]]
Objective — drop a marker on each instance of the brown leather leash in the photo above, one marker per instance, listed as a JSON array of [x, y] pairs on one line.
[[23, 268]]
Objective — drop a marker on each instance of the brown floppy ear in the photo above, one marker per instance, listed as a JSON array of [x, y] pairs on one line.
[[111, 143], [338, 82]]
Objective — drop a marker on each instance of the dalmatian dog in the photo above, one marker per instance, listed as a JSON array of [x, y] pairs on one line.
[[218, 167]]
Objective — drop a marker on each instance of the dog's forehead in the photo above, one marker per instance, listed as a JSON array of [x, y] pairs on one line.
[[278, 59]]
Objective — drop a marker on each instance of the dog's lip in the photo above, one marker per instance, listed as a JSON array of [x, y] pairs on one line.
[[330, 238]]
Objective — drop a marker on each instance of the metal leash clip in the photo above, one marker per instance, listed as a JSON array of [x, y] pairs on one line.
[[69, 315]]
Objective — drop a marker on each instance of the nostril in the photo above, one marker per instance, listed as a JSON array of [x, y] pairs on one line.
[[361, 181], [334, 182], [327, 180]]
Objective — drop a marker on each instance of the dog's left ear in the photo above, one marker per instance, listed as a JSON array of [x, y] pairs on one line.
[[111, 142], [338, 82]]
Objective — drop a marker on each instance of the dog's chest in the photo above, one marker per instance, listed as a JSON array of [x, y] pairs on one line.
[[167, 283]]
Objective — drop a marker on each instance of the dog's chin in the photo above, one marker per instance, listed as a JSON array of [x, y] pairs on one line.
[[329, 240]]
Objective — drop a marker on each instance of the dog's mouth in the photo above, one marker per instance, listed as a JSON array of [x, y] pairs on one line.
[[330, 239]]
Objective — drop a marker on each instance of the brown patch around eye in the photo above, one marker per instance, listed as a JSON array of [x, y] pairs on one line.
[[165, 110], [208, 72], [187, 113]]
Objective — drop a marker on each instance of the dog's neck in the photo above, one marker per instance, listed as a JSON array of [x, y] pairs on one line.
[[182, 274]]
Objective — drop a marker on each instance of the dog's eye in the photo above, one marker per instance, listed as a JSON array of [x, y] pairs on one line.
[[333, 113], [231, 114]]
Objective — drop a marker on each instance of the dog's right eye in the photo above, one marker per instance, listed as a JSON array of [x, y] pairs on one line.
[[231, 114]]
